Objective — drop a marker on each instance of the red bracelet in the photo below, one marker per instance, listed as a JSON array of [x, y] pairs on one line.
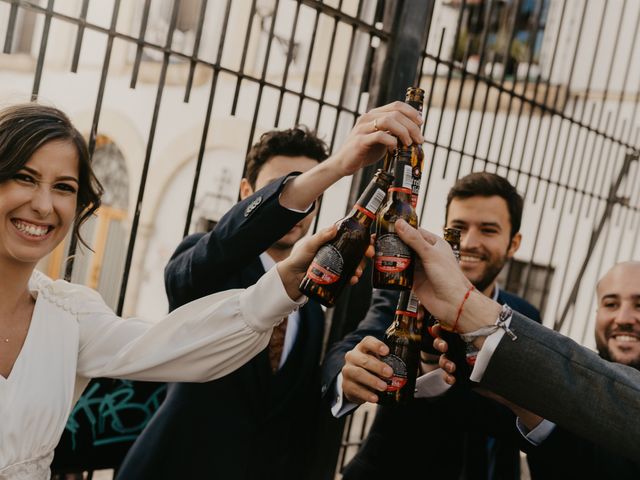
[[466, 295]]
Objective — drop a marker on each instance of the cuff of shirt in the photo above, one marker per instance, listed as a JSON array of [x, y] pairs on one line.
[[266, 303], [306, 210], [340, 405], [486, 352], [539, 434], [431, 384]]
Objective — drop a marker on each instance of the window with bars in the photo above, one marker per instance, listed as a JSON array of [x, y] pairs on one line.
[[528, 280]]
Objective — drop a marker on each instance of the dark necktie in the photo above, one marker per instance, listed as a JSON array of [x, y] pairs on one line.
[[276, 344]]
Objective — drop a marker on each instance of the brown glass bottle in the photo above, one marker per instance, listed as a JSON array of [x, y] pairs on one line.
[[403, 339], [415, 98], [393, 261], [337, 260], [458, 351]]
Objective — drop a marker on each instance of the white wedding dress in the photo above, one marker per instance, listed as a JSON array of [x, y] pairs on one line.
[[74, 337]]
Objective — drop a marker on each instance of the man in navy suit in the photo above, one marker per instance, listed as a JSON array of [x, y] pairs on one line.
[[259, 422], [474, 435]]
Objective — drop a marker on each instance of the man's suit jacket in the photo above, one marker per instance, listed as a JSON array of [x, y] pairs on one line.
[[251, 424], [564, 455], [454, 430], [570, 385]]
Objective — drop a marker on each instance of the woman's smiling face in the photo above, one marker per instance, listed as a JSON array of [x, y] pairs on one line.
[[38, 204]]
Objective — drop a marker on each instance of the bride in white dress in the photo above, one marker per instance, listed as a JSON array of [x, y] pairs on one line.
[[55, 336]]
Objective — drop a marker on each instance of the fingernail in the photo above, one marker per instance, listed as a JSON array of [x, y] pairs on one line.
[[387, 371], [373, 399], [382, 386], [420, 119], [401, 225]]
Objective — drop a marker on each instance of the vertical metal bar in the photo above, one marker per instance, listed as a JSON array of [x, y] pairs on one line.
[[43, 50], [532, 108], [345, 78], [265, 66], [79, 35], [73, 244], [456, 38], [307, 67], [285, 75], [327, 67], [143, 30], [147, 158], [207, 119], [505, 59], [196, 49], [531, 45], [476, 77], [11, 25], [245, 49], [426, 111]]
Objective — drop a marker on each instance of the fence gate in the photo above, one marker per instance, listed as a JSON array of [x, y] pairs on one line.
[[171, 93]]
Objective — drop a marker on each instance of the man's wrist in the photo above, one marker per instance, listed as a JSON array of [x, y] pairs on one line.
[[290, 280], [479, 311]]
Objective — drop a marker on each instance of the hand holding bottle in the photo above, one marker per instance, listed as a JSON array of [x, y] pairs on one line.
[[293, 268], [441, 286], [374, 133], [363, 372]]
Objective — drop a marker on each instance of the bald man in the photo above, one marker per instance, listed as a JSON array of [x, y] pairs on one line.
[[560, 454]]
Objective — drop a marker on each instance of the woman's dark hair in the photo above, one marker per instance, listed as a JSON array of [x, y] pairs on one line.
[[293, 142], [24, 129]]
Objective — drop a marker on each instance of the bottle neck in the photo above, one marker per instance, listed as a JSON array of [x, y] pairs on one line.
[[406, 315]]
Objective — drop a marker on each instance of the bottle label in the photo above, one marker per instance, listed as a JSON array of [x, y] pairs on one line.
[[376, 200], [407, 177], [410, 309], [416, 174], [327, 266], [392, 255], [399, 377]]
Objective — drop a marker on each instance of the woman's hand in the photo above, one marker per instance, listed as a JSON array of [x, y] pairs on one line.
[[293, 268]]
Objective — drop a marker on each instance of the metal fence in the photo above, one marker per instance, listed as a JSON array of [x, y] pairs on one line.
[[544, 92]]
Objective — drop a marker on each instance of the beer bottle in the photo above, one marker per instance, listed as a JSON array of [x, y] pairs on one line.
[[459, 352], [415, 98], [393, 261], [337, 260], [403, 340]]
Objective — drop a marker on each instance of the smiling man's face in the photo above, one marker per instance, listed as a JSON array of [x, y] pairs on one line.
[[618, 316], [485, 242]]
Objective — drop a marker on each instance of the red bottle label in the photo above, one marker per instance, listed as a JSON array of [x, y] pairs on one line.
[[327, 266], [399, 377]]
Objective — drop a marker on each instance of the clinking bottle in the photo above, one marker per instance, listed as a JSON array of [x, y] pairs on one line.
[[337, 260], [403, 337], [393, 260]]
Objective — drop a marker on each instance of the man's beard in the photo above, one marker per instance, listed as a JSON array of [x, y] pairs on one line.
[[605, 353], [491, 272]]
